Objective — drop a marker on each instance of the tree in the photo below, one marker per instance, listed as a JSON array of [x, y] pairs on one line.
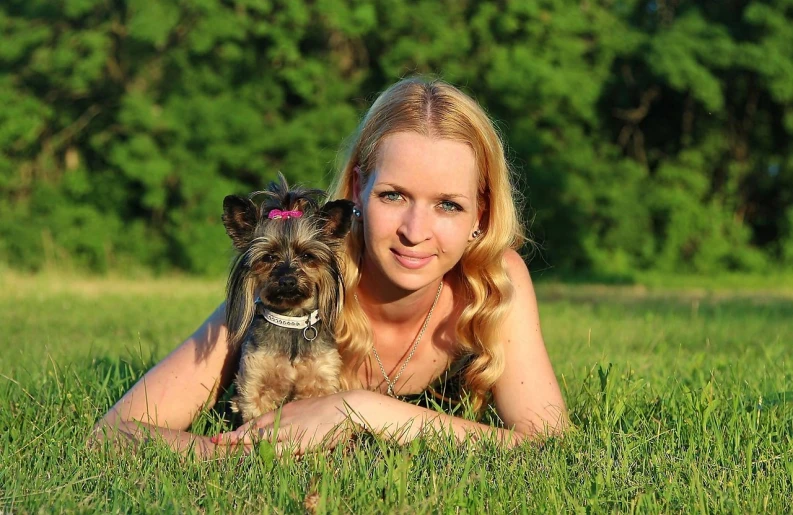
[[645, 134]]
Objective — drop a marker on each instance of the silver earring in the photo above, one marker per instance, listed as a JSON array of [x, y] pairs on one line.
[[356, 212], [476, 233]]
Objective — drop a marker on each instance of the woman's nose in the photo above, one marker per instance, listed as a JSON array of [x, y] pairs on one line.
[[415, 226]]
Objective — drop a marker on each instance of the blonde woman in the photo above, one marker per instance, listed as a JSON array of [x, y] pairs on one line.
[[435, 288]]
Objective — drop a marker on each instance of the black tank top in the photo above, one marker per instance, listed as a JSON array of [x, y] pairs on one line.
[[446, 391]]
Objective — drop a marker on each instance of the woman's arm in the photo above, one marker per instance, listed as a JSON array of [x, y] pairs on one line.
[[527, 396], [404, 422], [167, 398], [303, 425]]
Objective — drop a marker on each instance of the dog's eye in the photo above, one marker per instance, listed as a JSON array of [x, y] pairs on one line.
[[307, 256], [268, 258]]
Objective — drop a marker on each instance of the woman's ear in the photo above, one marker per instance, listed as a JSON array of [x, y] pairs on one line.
[[475, 230], [356, 185]]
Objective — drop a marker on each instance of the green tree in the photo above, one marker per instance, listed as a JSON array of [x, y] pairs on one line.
[[646, 134]]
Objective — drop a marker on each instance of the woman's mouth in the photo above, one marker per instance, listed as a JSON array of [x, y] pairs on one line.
[[412, 260]]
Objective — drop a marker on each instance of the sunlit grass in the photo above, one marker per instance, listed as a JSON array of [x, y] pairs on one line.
[[682, 401]]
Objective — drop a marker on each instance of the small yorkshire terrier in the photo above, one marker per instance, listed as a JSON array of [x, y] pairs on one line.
[[289, 256]]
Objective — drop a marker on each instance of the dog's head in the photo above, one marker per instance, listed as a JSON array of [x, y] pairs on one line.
[[288, 253]]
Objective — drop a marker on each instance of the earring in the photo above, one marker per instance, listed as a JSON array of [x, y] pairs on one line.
[[476, 233], [356, 212]]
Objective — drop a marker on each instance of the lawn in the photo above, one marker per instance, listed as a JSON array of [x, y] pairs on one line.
[[682, 401]]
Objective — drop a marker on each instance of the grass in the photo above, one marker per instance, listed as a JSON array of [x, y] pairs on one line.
[[682, 401]]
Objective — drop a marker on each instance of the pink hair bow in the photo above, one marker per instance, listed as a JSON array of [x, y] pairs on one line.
[[277, 214]]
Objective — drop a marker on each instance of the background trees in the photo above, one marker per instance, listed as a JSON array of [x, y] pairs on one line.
[[648, 135]]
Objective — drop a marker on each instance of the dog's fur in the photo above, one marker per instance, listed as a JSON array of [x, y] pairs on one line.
[[293, 265]]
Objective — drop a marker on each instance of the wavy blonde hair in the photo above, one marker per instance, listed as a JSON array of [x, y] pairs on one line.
[[436, 109]]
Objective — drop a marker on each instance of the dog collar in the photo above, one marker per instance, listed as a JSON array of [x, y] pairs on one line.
[[306, 323]]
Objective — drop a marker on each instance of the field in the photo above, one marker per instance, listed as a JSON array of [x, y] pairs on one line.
[[682, 401]]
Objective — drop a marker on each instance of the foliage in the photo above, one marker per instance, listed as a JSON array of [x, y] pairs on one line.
[[648, 135]]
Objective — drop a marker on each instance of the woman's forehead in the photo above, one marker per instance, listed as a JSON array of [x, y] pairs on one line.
[[419, 148], [411, 158]]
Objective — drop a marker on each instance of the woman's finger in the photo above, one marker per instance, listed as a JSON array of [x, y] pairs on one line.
[[239, 434], [288, 448], [232, 437], [224, 439], [274, 435], [280, 441], [251, 436]]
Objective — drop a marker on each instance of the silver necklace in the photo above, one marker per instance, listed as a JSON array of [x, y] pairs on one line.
[[391, 384]]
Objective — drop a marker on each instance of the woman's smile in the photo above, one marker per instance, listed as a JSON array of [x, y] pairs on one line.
[[412, 260]]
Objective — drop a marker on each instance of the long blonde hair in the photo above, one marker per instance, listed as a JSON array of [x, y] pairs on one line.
[[436, 109]]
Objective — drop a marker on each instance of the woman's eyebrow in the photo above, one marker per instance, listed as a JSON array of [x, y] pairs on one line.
[[444, 196], [453, 196], [389, 185]]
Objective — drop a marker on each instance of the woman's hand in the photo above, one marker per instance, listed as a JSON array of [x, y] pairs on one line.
[[133, 434], [297, 427]]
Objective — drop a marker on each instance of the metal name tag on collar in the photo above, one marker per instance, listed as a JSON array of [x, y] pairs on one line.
[[314, 333]]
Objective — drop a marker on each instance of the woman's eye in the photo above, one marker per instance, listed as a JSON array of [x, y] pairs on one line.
[[391, 196], [450, 207]]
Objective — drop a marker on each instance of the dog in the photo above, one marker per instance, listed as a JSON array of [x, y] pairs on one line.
[[289, 249]]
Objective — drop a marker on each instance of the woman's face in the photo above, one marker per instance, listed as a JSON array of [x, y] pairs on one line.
[[419, 208]]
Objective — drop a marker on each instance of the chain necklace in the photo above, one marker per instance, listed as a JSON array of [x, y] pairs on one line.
[[391, 384]]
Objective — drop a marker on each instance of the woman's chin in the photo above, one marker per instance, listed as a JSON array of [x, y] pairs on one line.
[[410, 281]]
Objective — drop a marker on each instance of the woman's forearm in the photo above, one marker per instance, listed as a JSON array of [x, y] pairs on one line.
[[404, 422], [133, 433]]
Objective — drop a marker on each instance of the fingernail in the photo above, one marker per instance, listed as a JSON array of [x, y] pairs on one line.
[[215, 439]]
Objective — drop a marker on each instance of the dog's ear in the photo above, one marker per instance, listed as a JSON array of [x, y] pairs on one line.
[[337, 218], [240, 300], [239, 218]]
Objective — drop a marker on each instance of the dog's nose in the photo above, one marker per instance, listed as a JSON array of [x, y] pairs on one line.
[[287, 282]]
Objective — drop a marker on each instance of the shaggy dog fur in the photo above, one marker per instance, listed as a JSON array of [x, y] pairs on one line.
[[288, 255]]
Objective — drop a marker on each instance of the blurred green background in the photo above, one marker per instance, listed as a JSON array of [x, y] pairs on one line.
[[649, 136]]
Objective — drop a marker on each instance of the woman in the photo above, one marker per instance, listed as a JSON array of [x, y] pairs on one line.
[[434, 285]]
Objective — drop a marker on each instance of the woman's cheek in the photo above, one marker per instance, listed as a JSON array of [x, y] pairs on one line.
[[452, 233]]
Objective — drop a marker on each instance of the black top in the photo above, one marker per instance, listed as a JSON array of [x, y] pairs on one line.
[[446, 391]]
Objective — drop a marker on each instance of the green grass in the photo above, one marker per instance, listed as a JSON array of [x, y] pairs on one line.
[[683, 401]]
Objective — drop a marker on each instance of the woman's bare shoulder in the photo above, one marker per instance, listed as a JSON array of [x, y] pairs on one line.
[[515, 265]]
